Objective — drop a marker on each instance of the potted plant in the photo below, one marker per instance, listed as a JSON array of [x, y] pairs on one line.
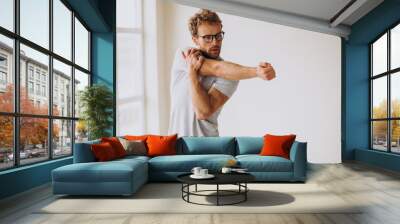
[[96, 102]]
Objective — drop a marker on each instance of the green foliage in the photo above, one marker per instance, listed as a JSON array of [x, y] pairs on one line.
[[96, 102]]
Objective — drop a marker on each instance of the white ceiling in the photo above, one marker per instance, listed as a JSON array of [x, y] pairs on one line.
[[319, 9], [314, 15]]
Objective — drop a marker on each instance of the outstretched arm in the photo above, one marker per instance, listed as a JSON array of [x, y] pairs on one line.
[[227, 70], [232, 71]]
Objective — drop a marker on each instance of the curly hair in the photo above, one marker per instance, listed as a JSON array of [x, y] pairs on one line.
[[202, 16]]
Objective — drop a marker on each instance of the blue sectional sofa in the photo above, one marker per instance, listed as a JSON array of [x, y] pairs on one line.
[[125, 176]]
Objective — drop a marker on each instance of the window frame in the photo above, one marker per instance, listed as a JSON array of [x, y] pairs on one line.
[[15, 72], [388, 74]]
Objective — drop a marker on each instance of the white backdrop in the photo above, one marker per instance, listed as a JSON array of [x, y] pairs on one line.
[[304, 99]]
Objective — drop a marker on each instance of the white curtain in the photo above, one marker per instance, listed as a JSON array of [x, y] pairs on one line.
[[130, 80]]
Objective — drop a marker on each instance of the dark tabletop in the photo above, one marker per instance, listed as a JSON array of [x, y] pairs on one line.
[[220, 178]]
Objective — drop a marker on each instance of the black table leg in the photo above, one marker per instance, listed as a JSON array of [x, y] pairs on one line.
[[196, 188], [217, 194], [182, 190], [245, 193], [188, 190]]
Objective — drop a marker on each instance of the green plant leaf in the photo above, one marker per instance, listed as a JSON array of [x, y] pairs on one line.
[[96, 102]]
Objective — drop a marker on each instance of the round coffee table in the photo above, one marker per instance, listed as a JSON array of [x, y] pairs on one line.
[[238, 179]]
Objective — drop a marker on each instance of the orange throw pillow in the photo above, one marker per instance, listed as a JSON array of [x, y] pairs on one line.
[[103, 151], [116, 145], [135, 137], [161, 145], [277, 145]]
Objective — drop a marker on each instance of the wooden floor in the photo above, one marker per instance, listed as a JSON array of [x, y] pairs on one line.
[[377, 188]]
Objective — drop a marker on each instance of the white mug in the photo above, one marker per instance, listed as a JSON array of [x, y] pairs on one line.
[[226, 170], [196, 170], [203, 172]]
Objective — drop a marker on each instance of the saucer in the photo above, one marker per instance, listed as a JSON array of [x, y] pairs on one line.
[[240, 171], [208, 176]]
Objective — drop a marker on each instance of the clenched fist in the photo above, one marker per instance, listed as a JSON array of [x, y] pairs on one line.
[[194, 59], [265, 71]]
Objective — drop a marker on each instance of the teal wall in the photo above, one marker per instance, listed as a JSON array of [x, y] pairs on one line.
[[381, 159], [355, 84], [99, 16], [24, 178], [356, 104], [103, 63]]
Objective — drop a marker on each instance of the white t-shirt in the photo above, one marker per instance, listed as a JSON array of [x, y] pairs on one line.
[[183, 117]]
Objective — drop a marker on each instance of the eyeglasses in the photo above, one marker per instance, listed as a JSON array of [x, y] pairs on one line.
[[209, 38]]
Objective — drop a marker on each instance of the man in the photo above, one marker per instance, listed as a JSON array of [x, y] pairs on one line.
[[201, 82]]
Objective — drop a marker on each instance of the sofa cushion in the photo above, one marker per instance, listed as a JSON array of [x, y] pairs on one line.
[[111, 171], [103, 152], [116, 145], [136, 137], [249, 145], [206, 145], [161, 145], [277, 145], [134, 147], [132, 158], [185, 163], [257, 163]]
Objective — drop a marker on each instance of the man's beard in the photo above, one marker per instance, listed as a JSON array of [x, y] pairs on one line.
[[207, 55]]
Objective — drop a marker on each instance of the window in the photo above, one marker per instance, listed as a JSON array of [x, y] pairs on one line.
[[37, 89], [62, 31], [37, 75], [81, 81], [63, 73], [6, 142], [30, 72], [81, 45], [6, 73], [44, 91], [46, 75], [33, 148], [3, 61], [30, 87], [379, 56], [34, 21], [62, 137], [3, 81], [55, 103], [385, 91], [7, 14], [3, 78], [395, 47], [3, 72]]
